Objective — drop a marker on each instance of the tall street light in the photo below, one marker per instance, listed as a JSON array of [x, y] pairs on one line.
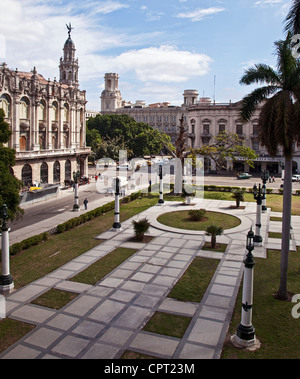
[[161, 186], [6, 280], [264, 178], [257, 193], [245, 334], [117, 224], [76, 176]]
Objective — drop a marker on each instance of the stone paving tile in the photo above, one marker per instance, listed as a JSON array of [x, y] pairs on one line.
[[43, 337], [155, 344], [101, 351], [88, 329], [193, 351], [206, 332], [21, 352], [107, 311], [32, 314], [63, 322], [70, 346]]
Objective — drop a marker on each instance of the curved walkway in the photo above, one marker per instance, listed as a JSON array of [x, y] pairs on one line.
[[107, 319]]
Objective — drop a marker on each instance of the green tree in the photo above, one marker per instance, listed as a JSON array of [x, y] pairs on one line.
[[226, 146], [278, 125], [138, 138], [9, 184]]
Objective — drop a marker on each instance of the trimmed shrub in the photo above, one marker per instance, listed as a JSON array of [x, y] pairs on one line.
[[197, 214]]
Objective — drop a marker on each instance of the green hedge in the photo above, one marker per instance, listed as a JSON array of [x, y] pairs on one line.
[[27, 243]]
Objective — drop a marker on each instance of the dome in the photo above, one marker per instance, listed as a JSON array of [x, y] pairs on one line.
[[69, 42]]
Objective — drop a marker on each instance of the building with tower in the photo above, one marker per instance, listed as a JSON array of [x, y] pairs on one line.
[[48, 121], [203, 120]]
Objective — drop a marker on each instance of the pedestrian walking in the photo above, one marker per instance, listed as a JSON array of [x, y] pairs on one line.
[[85, 202]]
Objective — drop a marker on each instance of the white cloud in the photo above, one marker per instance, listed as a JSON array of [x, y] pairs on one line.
[[200, 14], [267, 2], [109, 7], [164, 64]]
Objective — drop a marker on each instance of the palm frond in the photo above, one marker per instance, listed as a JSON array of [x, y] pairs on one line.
[[251, 101], [292, 21], [260, 73]]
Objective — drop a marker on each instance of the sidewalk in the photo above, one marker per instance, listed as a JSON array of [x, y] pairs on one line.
[[107, 319]]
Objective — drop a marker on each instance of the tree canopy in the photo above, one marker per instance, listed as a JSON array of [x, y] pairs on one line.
[[9, 184], [107, 134], [226, 146]]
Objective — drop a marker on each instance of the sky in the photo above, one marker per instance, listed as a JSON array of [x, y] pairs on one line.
[[159, 48]]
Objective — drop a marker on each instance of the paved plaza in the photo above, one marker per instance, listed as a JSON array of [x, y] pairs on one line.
[[107, 319]]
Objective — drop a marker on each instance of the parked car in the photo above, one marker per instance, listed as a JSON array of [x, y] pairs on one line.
[[244, 175], [124, 167], [295, 178]]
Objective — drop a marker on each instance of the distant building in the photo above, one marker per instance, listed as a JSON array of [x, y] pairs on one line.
[[48, 121], [203, 119]]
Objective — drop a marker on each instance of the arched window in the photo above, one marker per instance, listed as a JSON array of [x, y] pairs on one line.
[[42, 111], [56, 172], [68, 170], [44, 172], [24, 108], [66, 113], [5, 104], [54, 111], [27, 175]]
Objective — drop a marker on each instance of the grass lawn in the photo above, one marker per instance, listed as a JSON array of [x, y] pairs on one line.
[[37, 261], [103, 266], [274, 325], [194, 282], [181, 220], [274, 201]]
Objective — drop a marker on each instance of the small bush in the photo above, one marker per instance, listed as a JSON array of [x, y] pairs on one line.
[[141, 228], [197, 214]]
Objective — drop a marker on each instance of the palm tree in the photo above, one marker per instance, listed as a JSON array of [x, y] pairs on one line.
[[214, 231], [278, 125], [141, 227], [238, 196]]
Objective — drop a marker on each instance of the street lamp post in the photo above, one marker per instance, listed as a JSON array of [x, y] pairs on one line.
[[76, 176], [257, 193], [264, 178], [161, 186], [117, 224], [245, 334], [6, 280]]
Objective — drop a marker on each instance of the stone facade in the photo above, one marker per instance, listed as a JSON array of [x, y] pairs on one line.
[[48, 121], [203, 120]]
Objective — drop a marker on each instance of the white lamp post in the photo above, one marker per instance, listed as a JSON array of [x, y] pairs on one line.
[[258, 197], [76, 176], [6, 280], [264, 178], [245, 334], [117, 224], [161, 186]]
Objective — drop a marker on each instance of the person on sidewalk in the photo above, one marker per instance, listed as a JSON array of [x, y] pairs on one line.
[[85, 202]]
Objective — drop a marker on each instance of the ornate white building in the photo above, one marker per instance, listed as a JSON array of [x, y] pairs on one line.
[[204, 119], [48, 121]]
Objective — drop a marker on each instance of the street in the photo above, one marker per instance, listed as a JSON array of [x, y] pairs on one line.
[[43, 210]]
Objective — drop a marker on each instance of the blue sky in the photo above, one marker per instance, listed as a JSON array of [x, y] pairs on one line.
[[159, 48]]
